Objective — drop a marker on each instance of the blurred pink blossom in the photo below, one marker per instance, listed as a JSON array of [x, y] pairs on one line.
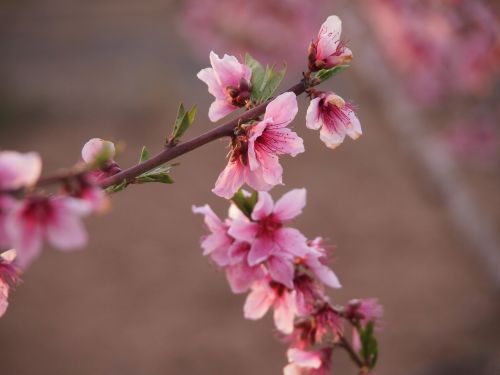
[[18, 170], [58, 220], [303, 362], [8, 275]]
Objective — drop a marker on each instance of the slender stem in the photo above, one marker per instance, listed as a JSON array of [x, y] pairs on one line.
[[224, 130], [347, 346]]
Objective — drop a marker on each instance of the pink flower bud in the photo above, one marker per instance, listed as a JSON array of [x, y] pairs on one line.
[[97, 148]]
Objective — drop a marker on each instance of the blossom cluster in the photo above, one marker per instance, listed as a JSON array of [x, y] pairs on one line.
[[284, 271], [29, 217], [255, 245]]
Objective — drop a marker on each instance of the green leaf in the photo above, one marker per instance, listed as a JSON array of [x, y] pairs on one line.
[[144, 154], [245, 203], [369, 345], [325, 74], [116, 188], [183, 121], [264, 81], [159, 174]]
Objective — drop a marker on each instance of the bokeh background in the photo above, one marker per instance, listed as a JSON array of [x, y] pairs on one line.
[[413, 206]]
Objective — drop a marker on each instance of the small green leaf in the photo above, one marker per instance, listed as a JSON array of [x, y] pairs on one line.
[[245, 203], [116, 188], [182, 122], [325, 74], [144, 154], [258, 73], [272, 82], [369, 345], [159, 174]]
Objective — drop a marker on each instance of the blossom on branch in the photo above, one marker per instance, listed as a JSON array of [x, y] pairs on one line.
[[56, 219], [229, 82], [335, 117], [253, 158], [327, 50]]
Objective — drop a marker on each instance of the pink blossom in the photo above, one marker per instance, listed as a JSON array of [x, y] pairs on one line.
[[335, 117], [328, 321], [97, 148], [227, 253], [366, 310], [101, 152], [56, 219], [18, 170], [266, 294], [254, 153], [328, 50], [272, 242], [7, 275], [229, 82], [308, 362]]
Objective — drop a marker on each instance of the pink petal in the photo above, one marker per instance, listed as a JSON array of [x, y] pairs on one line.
[[262, 248], [66, 232], [290, 204], [18, 170], [291, 241], [230, 180], [330, 137], [284, 312], [258, 301], [304, 358], [96, 147], [211, 219], [293, 369], [282, 110], [270, 167], [264, 206], [241, 276], [243, 230], [329, 37], [255, 179], [281, 270], [323, 272], [220, 108], [353, 129], [6, 205], [228, 70], [4, 295], [26, 236], [313, 118], [207, 75]]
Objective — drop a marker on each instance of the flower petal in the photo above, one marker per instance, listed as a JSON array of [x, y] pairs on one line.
[[328, 37], [258, 301], [230, 180], [281, 270], [263, 207], [290, 204], [313, 118], [282, 110]]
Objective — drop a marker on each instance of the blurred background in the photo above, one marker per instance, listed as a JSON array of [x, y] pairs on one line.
[[413, 206]]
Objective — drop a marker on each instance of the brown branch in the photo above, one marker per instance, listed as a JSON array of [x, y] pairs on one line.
[[224, 130]]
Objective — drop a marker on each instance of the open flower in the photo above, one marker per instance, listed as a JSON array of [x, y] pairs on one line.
[[335, 117], [8, 275], [56, 219], [254, 152], [315, 261], [266, 294], [18, 170], [308, 362], [229, 81], [272, 242], [328, 50]]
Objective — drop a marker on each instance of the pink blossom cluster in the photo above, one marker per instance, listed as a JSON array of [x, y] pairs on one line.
[[256, 147], [284, 271], [29, 217], [441, 48]]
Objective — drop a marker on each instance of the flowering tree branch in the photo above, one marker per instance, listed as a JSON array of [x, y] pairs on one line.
[[260, 253], [224, 130]]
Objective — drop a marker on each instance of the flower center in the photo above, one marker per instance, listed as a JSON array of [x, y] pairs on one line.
[[268, 226], [239, 95]]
